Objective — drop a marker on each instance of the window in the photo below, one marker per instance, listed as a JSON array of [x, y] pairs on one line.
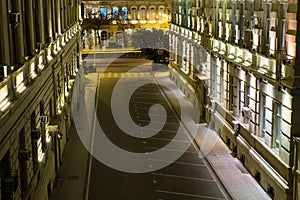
[[115, 13], [247, 95], [124, 13], [241, 95], [90, 12], [133, 14], [231, 89], [152, 13], [143, 13], [161, 12], [277, 126], [103, 13], [263, 108]]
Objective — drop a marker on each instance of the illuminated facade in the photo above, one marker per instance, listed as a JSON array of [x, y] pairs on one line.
[[126, 14], [39, 48], [241, 60]]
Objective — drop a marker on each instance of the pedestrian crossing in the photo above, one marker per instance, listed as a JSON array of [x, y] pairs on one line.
[[130, 74]]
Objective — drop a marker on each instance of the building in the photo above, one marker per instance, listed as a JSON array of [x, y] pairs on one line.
[[39, 58], [117, 16], [242, 60]]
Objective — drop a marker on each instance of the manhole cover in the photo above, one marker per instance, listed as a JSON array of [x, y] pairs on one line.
[[73, 177]]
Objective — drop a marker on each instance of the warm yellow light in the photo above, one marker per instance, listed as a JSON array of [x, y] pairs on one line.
[[3, 93], [48, 137], [4, 105]]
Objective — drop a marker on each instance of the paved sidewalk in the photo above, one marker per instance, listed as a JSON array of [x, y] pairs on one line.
[[238, 182], [73, 175], [70, 184]]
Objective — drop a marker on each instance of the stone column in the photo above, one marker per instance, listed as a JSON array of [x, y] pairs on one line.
[[17, 26], [4, 34], [54, 17], [58, 17], [48, 25], [40, 22], [280, 35], [266, 23], [30, 28]]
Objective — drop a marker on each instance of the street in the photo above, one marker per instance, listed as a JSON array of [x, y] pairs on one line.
[[188, 178]]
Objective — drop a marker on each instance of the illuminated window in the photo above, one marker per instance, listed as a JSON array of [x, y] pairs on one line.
[[20, 86], [143, 14], [161, 12], [4, 103], [152, 13], [133, 14], [115, 13], [124, 13], [103, 13]]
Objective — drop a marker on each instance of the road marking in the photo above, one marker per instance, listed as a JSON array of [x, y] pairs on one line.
[[92, 143], [184, 177], [160, 122], [188, 195], [165, 149], [178, 162], [127, 74], [149, 98], [167, 139]]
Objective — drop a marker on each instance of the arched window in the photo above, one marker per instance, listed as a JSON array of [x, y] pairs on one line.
[[143, 13], [124, 13], [103, 13], [152, 13], [115, 13], [161, 12], [90, 12], [133, 14]]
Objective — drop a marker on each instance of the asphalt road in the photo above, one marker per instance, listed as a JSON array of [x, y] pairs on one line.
[[188, 178]]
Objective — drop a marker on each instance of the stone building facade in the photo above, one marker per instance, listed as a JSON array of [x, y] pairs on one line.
[[241, 59], [125, 14], [39, 58]]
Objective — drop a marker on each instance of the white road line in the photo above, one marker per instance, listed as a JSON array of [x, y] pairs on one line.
[[166, 139], [92, 143], [178, 162], [187, 151], [189, 195], [184, 177]]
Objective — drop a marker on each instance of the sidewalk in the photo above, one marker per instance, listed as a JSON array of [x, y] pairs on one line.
[[232, 174], [70, 184]]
